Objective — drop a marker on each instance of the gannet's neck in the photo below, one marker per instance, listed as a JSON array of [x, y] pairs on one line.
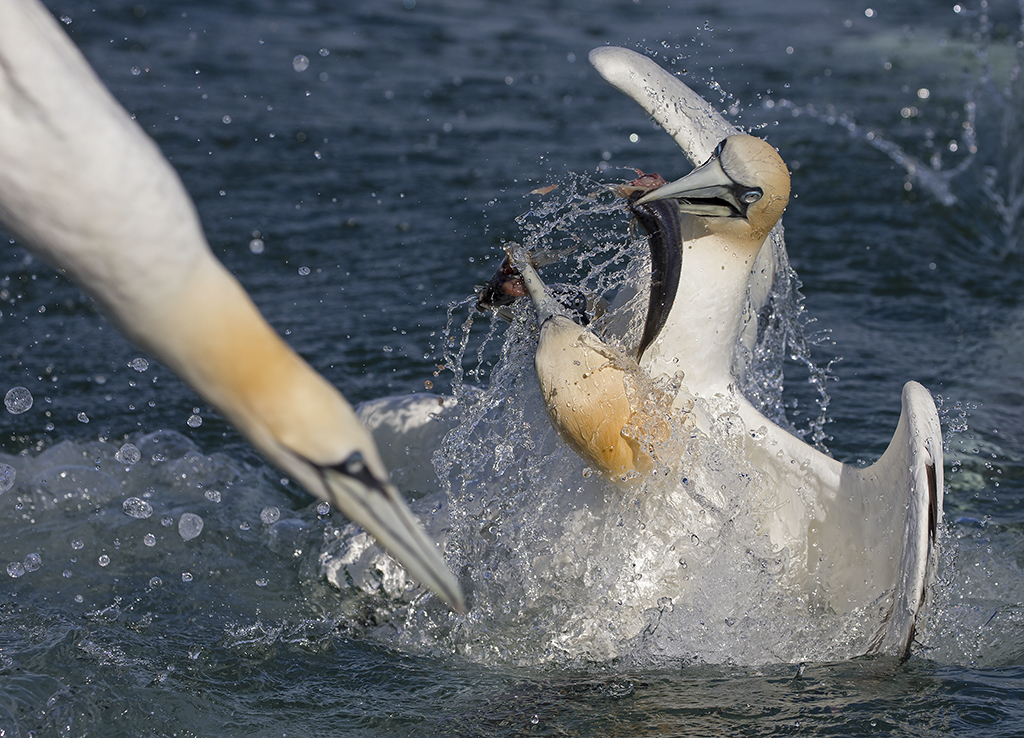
[[708, 313], [83, 187]]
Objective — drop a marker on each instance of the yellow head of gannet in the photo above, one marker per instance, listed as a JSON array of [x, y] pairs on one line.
[[87, 190], [741, 190], [588, 386]]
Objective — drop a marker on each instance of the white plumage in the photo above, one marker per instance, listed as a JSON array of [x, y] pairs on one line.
[[858, 538], [84, 188]]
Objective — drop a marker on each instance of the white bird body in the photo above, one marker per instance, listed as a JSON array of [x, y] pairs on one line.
[[89, 192], [857, 538], [697, 128]]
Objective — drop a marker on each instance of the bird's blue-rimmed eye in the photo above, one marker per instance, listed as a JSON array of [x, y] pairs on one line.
[[752, 196]]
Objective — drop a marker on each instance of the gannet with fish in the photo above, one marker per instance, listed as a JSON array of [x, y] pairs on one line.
[[862, 537], [860, 540]]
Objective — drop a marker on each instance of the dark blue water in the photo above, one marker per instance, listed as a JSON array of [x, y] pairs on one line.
[[381, 181]]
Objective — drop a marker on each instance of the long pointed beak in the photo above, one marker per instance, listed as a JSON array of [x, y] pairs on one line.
[[707, 190], [379, 508], [545, 305]]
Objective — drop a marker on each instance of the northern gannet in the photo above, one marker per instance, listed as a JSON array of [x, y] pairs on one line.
[[589, 387], [862, 531], [859, 538], [85, 189]]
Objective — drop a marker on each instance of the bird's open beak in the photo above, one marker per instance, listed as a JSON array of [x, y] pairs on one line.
[[379, 508], [707, 190]]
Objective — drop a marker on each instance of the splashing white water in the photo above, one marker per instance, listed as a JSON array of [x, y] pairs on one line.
[[562, 564]]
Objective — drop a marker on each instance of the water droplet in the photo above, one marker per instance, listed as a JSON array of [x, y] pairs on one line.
[[303, 271], [428, 385], [186, 576], [33, 561], [270, 515], [324, 508], [300, 63], [244, 526], [136, 71], [139, 364], [212, 495], [695, 540], [155, 582], [189, 526], [149, 539], [167, 521], [77, 545], [128, 454], [18, 400], [7, 475], [67, 574], [387, 349], [83, 418], [103, 560], [15, 569], [262, 582], [256, 246], [66, 19], [226, 119], [79, 599], [194, 421], [135, 507], [503, 456]]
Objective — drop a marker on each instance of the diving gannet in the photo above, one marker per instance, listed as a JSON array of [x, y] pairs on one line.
[[85, 189]]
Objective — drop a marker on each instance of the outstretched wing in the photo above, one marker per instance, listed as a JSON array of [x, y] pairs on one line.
[[688, 118], [912, 468]]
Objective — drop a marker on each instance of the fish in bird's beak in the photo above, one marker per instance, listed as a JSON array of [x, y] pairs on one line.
[[709, 190], [501, 290], [507, 286], [378, 507], [660, 221]]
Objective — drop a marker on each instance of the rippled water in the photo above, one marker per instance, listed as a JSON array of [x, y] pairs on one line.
[[359, 168]]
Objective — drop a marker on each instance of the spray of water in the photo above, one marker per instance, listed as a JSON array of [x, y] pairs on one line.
[[562, 564]]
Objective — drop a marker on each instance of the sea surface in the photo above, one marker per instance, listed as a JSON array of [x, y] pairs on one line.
[[361, 167]]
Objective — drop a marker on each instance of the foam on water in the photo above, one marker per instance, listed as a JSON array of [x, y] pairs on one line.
[[85, 528]]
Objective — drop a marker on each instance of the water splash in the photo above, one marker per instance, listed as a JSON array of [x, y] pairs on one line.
[[561, 564], [969, 153]]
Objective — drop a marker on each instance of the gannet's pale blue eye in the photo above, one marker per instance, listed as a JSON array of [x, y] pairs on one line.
[[751, 197]]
